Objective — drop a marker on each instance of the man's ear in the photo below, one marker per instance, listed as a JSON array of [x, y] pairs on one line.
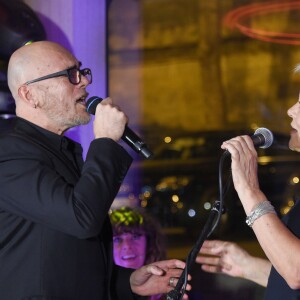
[[26, 95]]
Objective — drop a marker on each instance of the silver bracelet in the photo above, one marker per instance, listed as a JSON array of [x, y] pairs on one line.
[[261, 209]]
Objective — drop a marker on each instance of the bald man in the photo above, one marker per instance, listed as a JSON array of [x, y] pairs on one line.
[[55, 235]]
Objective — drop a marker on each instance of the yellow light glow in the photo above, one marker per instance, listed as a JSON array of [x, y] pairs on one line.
[[285, 210], [179, 205], [144, 203], [264, 160], [147, 194], [167, 139], [175, 198]]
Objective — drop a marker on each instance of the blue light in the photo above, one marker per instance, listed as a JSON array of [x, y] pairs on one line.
[[191, 213]]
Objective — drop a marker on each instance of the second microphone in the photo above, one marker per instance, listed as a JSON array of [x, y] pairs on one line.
[[129, 137]]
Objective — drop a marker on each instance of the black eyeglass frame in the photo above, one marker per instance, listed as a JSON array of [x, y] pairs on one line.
[[84, 72]]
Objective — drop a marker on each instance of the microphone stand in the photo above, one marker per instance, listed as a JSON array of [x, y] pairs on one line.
[[177, 293], [262, 137], [208, 228]]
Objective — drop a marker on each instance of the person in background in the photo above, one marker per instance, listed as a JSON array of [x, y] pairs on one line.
[[55, 233], [137, 239], [279, 239], [135, 230]]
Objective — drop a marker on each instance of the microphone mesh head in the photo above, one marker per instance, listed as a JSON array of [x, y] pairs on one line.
[[92, 103], [268, 136]]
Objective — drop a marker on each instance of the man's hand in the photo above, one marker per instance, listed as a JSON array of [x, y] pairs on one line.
[[109, 120], [157, 278]]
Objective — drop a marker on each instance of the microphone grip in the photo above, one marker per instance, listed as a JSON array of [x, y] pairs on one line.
[[134, 141], [129, 137], [258, 139]]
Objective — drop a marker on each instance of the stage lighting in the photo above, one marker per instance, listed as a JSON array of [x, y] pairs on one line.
[[19, 25]]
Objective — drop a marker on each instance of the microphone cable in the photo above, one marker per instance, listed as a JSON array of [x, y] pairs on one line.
[[222, 192]]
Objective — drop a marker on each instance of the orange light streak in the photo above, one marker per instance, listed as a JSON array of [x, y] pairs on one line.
[[238, 17]]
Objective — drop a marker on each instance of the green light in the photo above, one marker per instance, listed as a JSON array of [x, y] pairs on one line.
[[126, 216], [28, 43]]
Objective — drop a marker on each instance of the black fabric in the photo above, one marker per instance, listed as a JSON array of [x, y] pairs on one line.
[[119, 293], [55, 234], [277, 288]]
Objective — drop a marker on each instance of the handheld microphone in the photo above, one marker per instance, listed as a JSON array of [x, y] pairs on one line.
[[262, 138], [129, 137]]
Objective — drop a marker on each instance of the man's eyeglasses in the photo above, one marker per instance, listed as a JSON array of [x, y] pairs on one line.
[[73, 74]]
